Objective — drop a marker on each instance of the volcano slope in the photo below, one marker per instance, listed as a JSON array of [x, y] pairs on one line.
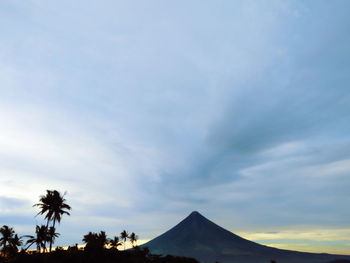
[[200, 238]]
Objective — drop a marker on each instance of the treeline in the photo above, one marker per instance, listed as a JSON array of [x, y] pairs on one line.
[[104, 255], [98, 247], [52, 206]]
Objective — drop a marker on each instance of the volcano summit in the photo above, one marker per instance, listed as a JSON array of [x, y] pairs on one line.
[[200, 238]]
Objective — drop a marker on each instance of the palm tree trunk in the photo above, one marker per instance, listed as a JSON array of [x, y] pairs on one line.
[[47, 229], [29, 246], [54, 222]]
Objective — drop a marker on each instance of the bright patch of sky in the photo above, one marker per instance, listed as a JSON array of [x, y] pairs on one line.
[[146, 110]]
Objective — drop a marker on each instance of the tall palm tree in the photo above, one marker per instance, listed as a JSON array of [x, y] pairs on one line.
[[53, 206], [124, 235], [6, 233], [133, 239]]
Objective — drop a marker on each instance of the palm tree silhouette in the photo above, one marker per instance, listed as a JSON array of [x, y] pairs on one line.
[[89, 239], [41, 236], [124, 235], [7, 234], [95, 241], [53, 206], [115, 243], [52, 235], [13, 245], [102, 238], [9, 241], [133, 239]]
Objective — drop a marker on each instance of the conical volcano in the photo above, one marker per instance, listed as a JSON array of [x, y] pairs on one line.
[[200, 238]]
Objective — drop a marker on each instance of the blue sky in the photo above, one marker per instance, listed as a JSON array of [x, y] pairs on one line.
[[146, 110]]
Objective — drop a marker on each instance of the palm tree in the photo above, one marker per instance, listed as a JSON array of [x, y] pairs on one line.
[[103, 238], [52, 235], [115, 243], [90, 240], [95, 241], [40, 239], [133, 238], [124, 235], [16, 241], [9, 240], [7, 233], [53, 205], [13, 245]]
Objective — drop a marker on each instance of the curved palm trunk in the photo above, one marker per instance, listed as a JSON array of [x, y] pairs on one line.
[[25, 249]]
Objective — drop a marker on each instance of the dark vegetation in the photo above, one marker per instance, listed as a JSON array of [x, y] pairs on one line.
[[73, 254], [98, 247]]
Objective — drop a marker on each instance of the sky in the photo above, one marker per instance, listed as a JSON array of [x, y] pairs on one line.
[[143, 111]]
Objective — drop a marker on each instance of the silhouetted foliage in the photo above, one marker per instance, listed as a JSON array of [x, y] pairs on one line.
[[95, 249], [94, 241], [53, 206], [9, 241], [52, 234], [40, 238], [124, 236], [103, 256], [133, 239], [114, 243]]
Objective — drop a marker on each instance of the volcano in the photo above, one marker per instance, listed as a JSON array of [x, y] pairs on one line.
[[200, 238]]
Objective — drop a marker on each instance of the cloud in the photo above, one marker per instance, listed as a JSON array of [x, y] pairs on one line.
[[303, 233], [10, 206], [339, 249]]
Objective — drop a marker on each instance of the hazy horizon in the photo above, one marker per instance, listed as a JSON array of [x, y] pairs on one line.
[[144, 111]]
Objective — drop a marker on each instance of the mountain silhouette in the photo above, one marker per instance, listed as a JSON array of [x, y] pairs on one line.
[[200, 238]]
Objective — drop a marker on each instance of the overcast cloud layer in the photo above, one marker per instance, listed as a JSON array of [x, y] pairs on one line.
[[146, 110]]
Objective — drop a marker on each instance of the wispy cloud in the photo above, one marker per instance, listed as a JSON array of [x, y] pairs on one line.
[[303, 233]]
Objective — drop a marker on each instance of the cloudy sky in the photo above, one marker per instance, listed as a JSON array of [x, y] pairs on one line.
[[144, 111]]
